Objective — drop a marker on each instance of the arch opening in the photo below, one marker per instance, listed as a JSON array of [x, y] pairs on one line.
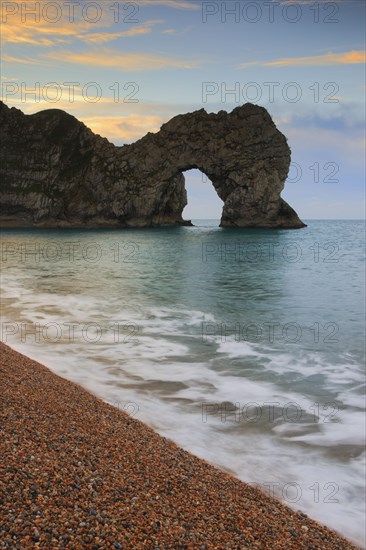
[[203, 202]]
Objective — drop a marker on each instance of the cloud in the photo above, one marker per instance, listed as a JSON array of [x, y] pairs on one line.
[[346, 58], [103, 37], [38, 100], [21, 34], [171, 31], [104, 107], [25, 60], [108, 58], [42, 33], [47, 23], [123, 129], [350, 144], [119, 129], [176, 4]]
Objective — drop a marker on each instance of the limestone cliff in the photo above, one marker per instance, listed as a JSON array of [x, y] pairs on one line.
[[56, 172]]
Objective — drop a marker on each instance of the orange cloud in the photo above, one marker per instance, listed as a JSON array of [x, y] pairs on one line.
[[37, 30], [26, 61], [127, 61], [108, 37], [42, 34], [40, 25], [118, 129], [123, 129], [347, 58], [19, 33]]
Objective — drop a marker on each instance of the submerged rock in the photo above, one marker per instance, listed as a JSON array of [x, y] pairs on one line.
[[56, 172]]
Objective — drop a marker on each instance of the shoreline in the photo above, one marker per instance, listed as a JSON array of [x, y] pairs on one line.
[[80, 473]]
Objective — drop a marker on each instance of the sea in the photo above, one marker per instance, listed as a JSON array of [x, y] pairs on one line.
[[244, 346]]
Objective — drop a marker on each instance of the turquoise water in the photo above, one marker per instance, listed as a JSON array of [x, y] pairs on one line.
[[244, 346]]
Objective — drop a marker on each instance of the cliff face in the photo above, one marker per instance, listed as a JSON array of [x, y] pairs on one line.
[[55, 172]]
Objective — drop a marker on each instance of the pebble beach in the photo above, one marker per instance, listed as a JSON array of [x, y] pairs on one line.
[[78, 473]]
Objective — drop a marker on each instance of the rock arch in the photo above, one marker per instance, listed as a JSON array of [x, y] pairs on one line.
[[85, 180], [242, 153]]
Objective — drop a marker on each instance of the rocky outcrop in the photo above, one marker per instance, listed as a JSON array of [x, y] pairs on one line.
[[56, 172]]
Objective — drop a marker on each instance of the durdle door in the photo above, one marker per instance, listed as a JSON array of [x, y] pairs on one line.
[[56, 172]]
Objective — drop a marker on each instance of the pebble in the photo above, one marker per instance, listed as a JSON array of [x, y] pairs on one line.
[[95, 461]]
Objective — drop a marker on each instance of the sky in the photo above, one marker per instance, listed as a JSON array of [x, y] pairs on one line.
[[124, 68]]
